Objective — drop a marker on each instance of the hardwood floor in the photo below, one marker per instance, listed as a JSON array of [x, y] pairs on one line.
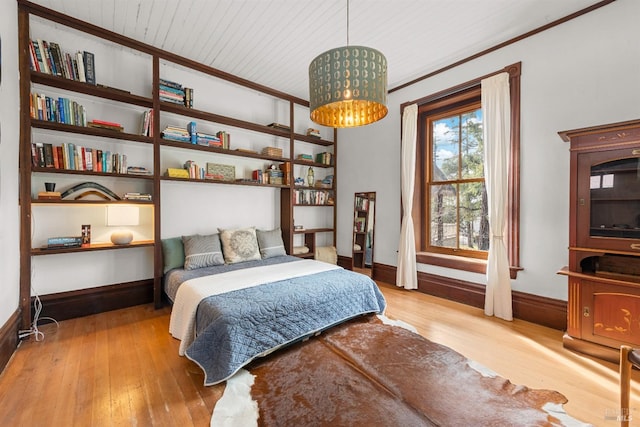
[[122, 367]]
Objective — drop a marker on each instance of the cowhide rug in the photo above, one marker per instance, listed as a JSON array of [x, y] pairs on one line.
[[364, 372]]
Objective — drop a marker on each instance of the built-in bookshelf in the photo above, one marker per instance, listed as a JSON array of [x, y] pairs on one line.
[[123, 119]]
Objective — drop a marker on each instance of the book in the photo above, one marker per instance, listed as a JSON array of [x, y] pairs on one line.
[[44, 66], [177, 173], [33, 60], [81, 71], [89, 67], [48, 155], [63, 240], [56, 58], [169, 83], [86, 235], [191, 128], [101, 124], [49, 195], [279, 126]]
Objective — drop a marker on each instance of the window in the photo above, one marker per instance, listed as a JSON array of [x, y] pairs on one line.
[[450, 202], [456, 197]]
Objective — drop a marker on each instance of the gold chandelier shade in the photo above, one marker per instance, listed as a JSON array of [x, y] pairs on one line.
[[348, 87]]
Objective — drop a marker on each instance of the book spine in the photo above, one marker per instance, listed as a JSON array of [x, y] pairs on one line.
[[81, 71], [56, 158], [44, 67], [48, 155], [35, 66], [54, 50], [48, 59], [169, 83], [89, 67]]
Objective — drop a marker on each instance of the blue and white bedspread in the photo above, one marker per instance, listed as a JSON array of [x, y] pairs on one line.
[[244, 314]]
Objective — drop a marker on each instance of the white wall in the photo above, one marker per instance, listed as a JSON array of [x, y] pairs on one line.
[[9, 135], [584, 72]]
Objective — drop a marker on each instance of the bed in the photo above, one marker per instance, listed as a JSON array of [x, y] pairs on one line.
[[228, 314]]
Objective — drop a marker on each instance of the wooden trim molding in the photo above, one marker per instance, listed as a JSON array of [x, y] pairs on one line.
[[532, 308], [9, 339], [503, 44], [84, 302]]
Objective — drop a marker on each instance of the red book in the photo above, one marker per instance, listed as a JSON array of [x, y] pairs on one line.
[[102, 122]]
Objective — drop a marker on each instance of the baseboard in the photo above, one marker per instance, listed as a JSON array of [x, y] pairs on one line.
[[9, 339], [84, 302], [532, 308]]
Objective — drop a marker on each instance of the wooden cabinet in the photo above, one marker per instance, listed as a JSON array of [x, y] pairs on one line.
[[124, 93], [603, 309]]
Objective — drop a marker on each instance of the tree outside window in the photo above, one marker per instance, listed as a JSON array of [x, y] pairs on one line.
[[457, 202]]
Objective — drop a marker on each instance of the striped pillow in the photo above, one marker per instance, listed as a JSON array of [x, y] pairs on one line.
[[202, 251]]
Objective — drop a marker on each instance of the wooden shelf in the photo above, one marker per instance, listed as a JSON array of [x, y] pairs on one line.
[[225, 151], [90, 173], [213, 181], [312, 164], [313, 230], [89, 202], [85, 130], [92, 247], [89, 89]]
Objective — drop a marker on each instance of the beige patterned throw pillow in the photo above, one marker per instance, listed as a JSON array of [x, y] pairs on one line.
[[239, 244]]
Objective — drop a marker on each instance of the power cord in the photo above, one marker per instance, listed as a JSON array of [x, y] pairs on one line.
[[37, 333], [37, 305]]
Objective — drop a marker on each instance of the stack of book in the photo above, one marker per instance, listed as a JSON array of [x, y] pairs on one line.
[[175, 133], [138, 170], [313, 132], [61, 110], [101, 124], [208, 140], [305, 157], [137, 196], [174, 92], [48, 58], [276, 176], [64, 242], [280, 126]]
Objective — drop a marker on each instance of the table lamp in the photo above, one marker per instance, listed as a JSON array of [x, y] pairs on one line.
[[122, 216]]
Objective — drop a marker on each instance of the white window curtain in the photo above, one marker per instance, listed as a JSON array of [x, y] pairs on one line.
[[496, 113], [406, 274]]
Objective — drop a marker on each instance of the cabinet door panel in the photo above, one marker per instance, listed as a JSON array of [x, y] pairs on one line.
[[611, 314]]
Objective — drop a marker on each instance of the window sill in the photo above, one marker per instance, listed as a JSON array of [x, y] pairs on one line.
[[460, 263]]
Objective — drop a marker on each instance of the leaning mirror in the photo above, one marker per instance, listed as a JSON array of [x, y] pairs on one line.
[[363, 232]]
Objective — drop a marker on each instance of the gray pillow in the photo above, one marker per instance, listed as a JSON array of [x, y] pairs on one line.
[[202, 251], [270, 243], [239, 245]]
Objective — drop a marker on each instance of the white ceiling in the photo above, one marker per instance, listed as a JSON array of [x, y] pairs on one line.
[[272, 42]]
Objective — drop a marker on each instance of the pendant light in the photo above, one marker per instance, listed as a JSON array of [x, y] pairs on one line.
[[348, 86]]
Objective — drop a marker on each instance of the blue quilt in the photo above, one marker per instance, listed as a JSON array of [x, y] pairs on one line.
[[236, 327]]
